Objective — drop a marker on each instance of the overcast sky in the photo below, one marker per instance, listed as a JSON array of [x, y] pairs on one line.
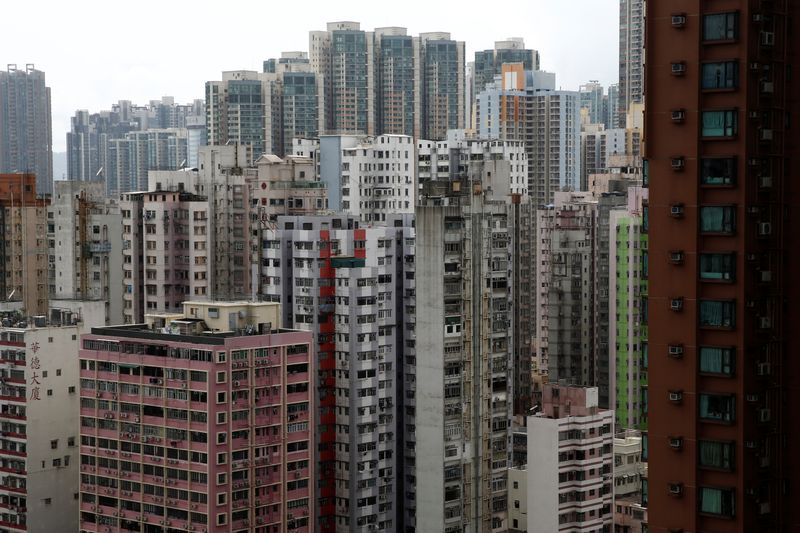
[[95, 52]]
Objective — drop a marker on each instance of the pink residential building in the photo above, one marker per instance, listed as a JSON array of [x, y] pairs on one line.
[[199, 421]]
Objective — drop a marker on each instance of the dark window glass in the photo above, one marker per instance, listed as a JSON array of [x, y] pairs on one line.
[[717, 314], [645, 265], [717, 407], [716, 501], [718, 171], [717, 219], [718, 267], [721, 27], [717, 360], [720, 123], [715, 454], [723, 75]]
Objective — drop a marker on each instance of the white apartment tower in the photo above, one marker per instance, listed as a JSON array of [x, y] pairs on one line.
[[347, 282], [369, 177], [569, 476]]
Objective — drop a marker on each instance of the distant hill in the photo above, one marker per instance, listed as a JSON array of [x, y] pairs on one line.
[[60, 165]]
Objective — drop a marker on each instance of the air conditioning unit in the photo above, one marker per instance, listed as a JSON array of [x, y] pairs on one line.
[[766, 276], [765, 182], [676, 257], [753, 114], [676, 443], [750, 444], [767, 38], [676, 304], [678, 163], [765, 322], [678, 21], [764, 415], [678, 115], [764, 369], [675, 396], [763, 461], [676, 489], [764, 508], [767, 87], [765, 134], [752, 398], [676, 210], [675, 350], [764, 228], [679, 68]]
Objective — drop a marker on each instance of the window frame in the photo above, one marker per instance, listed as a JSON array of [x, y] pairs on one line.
[[730, 129], [725, 64], [732, 209], [732, 16], [731, 416], [730, 490], [725, 444], [731, 180], [730, 257], [731, 353], [730, 303]]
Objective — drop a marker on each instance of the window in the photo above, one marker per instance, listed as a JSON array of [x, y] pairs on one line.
[[717, 314], [718, 170], [721, 123], [718, 266], [721, 27], [717, 360], [54, 444], [715, 454], [717, 407], [717, 219], [724, 75], [716, 501]]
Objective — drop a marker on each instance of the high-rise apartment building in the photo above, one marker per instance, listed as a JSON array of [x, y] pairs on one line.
[[39, 409], [720, 155], [594, 101], [86, 244], [198, 421], [489, 63], [631, 55], [628, 275], [387, 82], [24, 260], [349, 286], [463, 394], [117, 144], [188, 236], [369, 177], [524, 105], [266, 110], [569, 478], [447, 159], [26, 132]]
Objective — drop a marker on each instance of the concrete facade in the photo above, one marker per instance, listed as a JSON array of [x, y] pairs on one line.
[[190, 429]]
